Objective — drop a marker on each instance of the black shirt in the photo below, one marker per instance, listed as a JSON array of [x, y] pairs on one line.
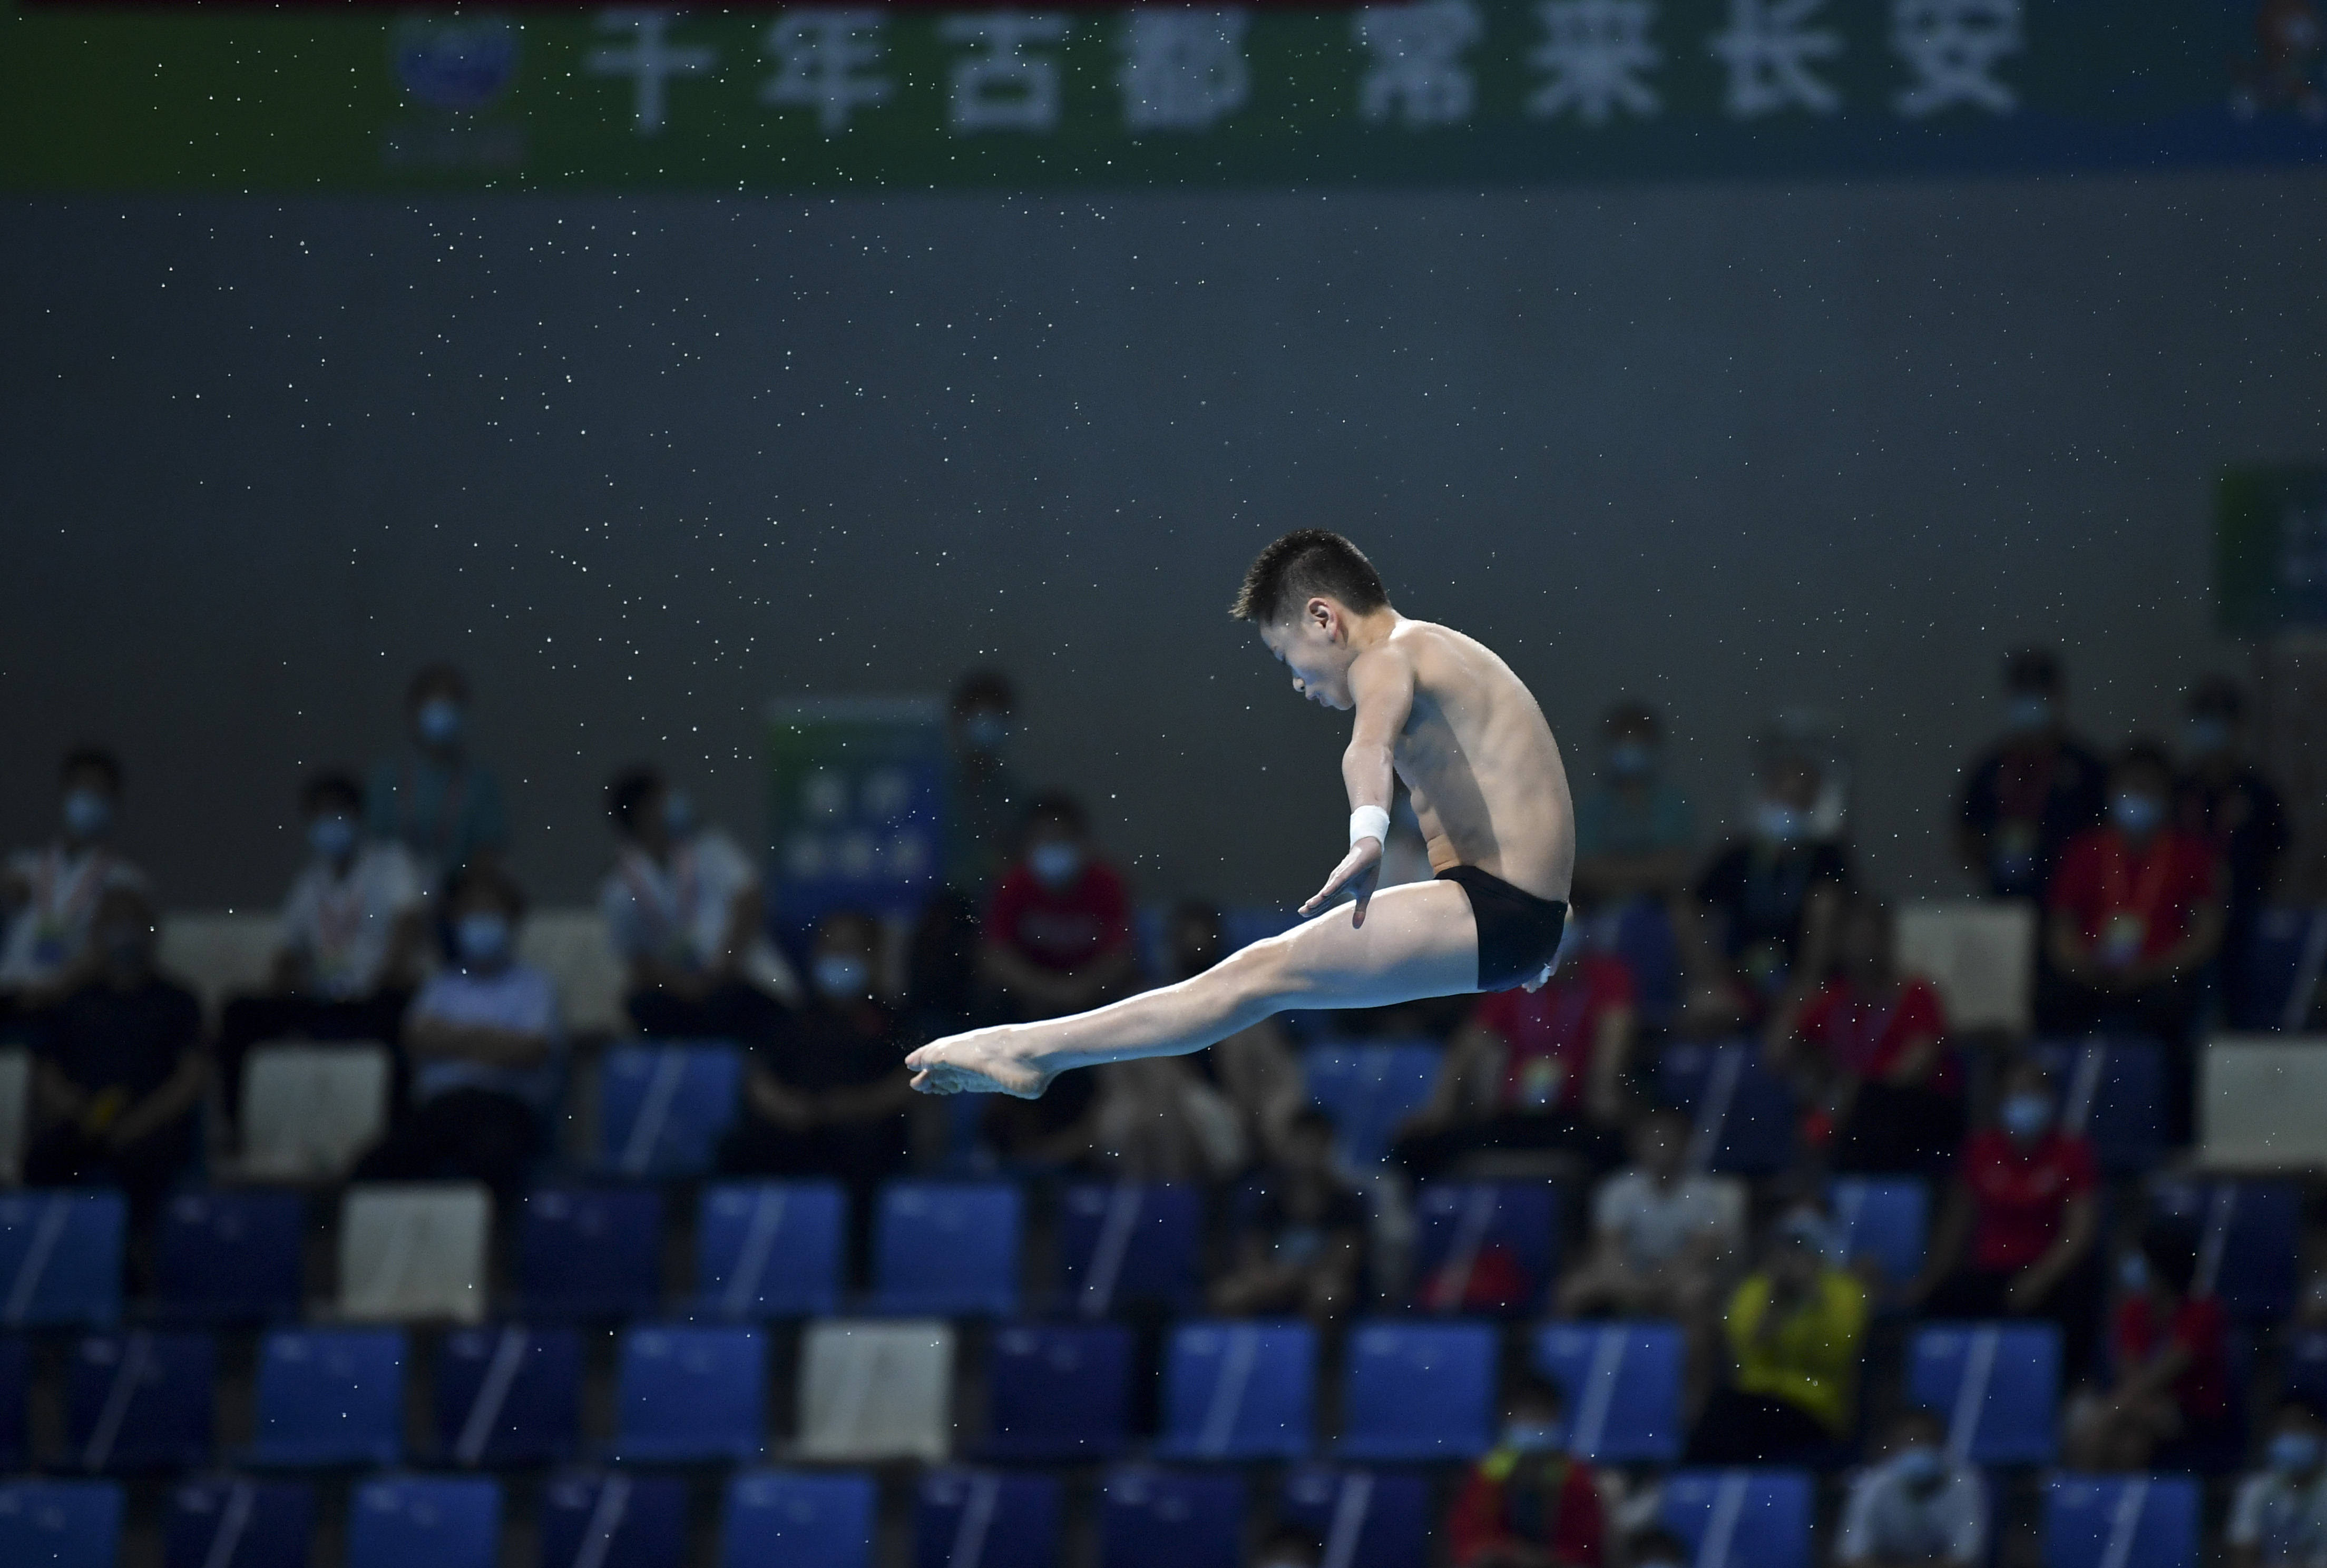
[[1298, 1238], [822, 1048], [101, 1038], [2246, 823], [2029, 802], [1763, 899]]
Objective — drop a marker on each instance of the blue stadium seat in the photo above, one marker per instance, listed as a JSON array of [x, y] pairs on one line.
[[1368, 1088], [2302, 1368], [61, 1523], [1154, 1518], [688, 1394], [1745, 1117], [617, 1520], [1058, 1393], [946, 1248], [1623, 1382], [1477, 1240], [1741, 1518], [238, 1523], [2286, 960], [781, 1518], [509, 1396], [663, 1109], [2121, 1521], [986, 1519], [140, 1401], [1997, 1385], [1419, 1391], [1239, 1389], [1384, 1517], [2247, 1233], [1886, 1218], [14, 1380], [231, 1256], [1644, 939], [330, 1396], [771, 1249], [1121, 1243], [425, 1522], [590, 1251], [2113, 1091], [60, 1258]]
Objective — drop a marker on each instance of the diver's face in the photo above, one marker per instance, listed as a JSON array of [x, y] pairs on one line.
[[1312, 648]]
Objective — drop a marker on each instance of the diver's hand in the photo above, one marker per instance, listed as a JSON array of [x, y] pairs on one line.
[[1359, 871]]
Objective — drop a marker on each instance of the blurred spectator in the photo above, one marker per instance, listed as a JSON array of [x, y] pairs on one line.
[[1796, 1329], [1661, 1236], [1770, 900], [1540, 1070], [442, 806], [2224, 800], [2279, 1519], [1255, 1068], [985, 796], [1658, 1547], [2016, 1237], [1919, 1506], [1303, 1245], [352, 933], [1635, 832], [2035, 789], [1872, 1046], [1157, 1120], [485, 1049], [122, 1068], [1290, 1546], [51, 894], [1529, 1503], [2169, 1397], [682, 908]]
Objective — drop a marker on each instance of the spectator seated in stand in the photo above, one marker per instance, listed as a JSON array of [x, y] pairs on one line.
[[1918, 1509], [986, 799], [1635, 832], [1539, 1070], [1760, 935], [1869, 1049], [2279, 1519], [48, 897], [121, 1068], [2169, 1392], [2224, 800], [683, 911], [1796, 1329], [2015, 1236], [443, 806], [2032, 791], [1254, 1068], [1661, 1235], [485, 1052], [1158, 1121], [1302, 1251], [352, 934], [1527, 1502]]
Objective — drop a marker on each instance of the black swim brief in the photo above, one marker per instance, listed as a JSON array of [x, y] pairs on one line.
[[1518, 933]]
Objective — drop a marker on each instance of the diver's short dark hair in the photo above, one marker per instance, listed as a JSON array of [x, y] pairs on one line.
[[1305, 562]]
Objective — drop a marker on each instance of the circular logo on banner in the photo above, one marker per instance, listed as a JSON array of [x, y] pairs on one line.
[[454, 65]]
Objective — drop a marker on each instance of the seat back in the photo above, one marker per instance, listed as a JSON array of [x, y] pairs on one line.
[[1744, 1115], [16, 1113], [414, 1251], [330, 1397], [232, 1256], [140, 1401], [1122, 1242], [509, 1396], [1486, 1247], [948, 1248], [2279, 987], [615, 1520], [223, 1523], [1239, 1389], [966, 1519], [769, 1249], [1996, 1385], [61, 1523], [1159, 1518], [2257, 1103], [572, 946], [1886, 1220], [590, 1251], [1366, 1518], [2113, 1092], [219, 954], [442, 1521], [778, 1518], [2121, 1521], [686, 1394], [1368, 1089], [875, 1389], [61, 1257], [1980, 956], [1623, 1386], [309, 1112], [1419, 1391], [2247, 1236], [663, 1108], [1741, 1518], [1058, 1393]]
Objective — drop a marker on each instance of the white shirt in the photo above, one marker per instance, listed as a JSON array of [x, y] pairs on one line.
[[1655, 1222], [50, 929], [343, 925], [520, 999], [1886, 1519], [2282, 1523], [677, 913]]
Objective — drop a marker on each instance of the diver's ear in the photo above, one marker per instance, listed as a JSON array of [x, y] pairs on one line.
[[1323, 614]]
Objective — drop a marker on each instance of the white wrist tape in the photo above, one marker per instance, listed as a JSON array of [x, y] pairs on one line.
[[1368, 822]]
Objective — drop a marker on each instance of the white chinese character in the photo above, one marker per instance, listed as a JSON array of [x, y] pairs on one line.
[[1595, 51], [1767, 50], [997, 88], [827, 57], [1181, 70], [1953, 46], [650, 59], [1416, 61]]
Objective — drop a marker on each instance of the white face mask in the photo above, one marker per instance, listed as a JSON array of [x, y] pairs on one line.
[[1779, 823], [841, 976], [1055, 863], [2026, 1115], [88, 813]]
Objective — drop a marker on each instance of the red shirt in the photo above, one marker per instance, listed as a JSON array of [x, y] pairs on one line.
[[1548, 1034], [1546, 1501], [1063, 929], [1866, 1038], [2199, 1326], [2144, 899], [2020, 1197]]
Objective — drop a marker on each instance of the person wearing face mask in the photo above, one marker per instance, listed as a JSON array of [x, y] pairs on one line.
[[1918, 1509], [436, 799], [1529, 1503], [51, 895], [1760, 938], [2279, 1517], [2168, 1401], [122, 1068], [485, 1050], [1796, 1331], [2223, 798], [1254, 1068], [2036, 789], [1302, 1247], [987, 797], [2015, 1238], [1635, 830]]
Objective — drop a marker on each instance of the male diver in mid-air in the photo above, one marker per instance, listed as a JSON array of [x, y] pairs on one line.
[[1448, 716]]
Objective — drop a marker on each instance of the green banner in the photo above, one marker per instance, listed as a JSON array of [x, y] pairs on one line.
[[1448, 92], [2270, 548]]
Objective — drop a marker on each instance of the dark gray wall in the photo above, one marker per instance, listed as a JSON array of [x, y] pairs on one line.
[[645, 464]]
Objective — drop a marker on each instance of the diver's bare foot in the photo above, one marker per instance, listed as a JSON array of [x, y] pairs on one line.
[[984, 1061]]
